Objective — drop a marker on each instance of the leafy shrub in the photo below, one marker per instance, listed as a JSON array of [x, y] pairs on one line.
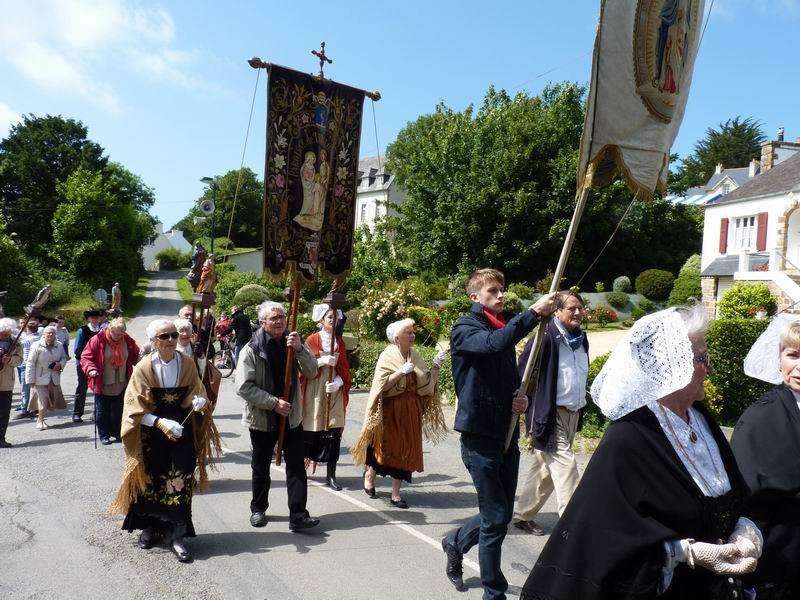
[[647, 305], [655, 284], [457, 286], [305, 325], [617, 299], [66, 291], [454, 309], [622, 284], [603, 315], [628, 322], [169, 259], [543, 285], [381, 307], [638, 313], [523, 291], [353, 315], [599, 287], [729, 341], [686, 288], [511, 302], [366, 356], [223, 269], [418, 287], [712, 399], [185, 260], [692, 264], [594, 423], [438, 290], [231, 282], [251, 294], [428, 325], [743, 300]]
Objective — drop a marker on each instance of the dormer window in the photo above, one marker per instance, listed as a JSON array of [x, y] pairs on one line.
[[727, 188]]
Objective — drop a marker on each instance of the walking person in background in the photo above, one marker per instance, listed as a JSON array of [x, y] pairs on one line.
[[489, 400], [28, 338], [43, 369], [324, 401], [553, 415], [240, 325], [62, 333], [116, 297], [403, 402], [108, 362], [82, 337], [10, 357]]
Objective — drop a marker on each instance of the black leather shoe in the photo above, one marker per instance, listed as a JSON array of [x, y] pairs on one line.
[[77, 419], [399, 503], [146, 540], [4, 444], [105, 441], [333, 484], [454, 569], [371, 492], [530, 527], [303, 523], [182, 553], [258, 519]]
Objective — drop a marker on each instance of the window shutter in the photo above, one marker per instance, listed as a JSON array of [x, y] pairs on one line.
[[761, 232], [723, 236]]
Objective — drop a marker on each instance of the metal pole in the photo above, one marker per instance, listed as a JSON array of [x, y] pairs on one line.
[[214, 200]]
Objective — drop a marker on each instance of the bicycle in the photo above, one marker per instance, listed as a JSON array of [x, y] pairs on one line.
[[224, 360]]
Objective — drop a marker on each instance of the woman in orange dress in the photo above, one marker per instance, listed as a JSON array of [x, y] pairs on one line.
[[403, 404]]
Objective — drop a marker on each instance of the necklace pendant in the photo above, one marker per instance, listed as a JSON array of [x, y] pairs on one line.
[[692, 437]]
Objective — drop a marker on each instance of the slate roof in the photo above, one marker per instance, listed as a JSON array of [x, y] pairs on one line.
[[739, 175], [726, 266], [373, 167], [781, 179]]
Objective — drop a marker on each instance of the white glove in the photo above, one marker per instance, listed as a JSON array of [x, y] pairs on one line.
[[747, 538], [172, 429], [199, 403], [327, 360], [439, 359], [148, 419], [333, 386], [407, 368], [722, 559]]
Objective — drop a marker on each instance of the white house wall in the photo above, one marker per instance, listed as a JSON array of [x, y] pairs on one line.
[[774, 206]]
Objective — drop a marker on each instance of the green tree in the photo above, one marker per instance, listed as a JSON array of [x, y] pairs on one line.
[[246, 231], [496, 187], [733, 144], [374, 260], [97, 239], [38, 153]]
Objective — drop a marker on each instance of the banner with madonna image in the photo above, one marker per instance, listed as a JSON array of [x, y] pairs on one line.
[[313, 137]]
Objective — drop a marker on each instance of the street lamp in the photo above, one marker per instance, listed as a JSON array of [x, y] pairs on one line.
[[209, 210]]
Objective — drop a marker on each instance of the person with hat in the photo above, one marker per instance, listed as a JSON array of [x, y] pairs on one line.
[[82, 337], [325, 396]]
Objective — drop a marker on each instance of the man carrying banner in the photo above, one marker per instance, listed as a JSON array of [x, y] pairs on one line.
[[260, 382], [487, 386]]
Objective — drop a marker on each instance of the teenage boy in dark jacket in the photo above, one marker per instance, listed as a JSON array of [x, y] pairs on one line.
[[487, 386]]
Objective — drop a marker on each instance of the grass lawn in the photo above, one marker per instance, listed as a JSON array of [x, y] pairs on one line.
[[136, 299], [185, 289]]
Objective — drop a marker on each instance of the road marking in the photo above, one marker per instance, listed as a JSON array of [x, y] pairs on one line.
[[369, 508]]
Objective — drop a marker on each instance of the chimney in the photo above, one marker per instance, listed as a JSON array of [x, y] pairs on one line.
[[754, 164], [780, 134], [719, 169]]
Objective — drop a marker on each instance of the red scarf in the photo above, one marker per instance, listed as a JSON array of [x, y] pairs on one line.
[[116, 349], [495, 321]]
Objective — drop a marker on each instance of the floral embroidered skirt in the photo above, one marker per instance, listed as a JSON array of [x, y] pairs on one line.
[[166, 504]]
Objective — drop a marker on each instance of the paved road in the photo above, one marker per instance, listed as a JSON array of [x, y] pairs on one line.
[[58, 541]]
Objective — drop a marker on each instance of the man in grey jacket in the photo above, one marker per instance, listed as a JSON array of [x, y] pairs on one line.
[[259, 381]]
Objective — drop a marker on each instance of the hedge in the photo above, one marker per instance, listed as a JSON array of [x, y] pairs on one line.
[[729, 341], [622, 284], [618, 299], [686, 288], [743, 300], [365, 357], [655, 284]]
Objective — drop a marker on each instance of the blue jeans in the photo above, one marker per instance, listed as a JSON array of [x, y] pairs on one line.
[[494, 473], [109, 415], [26, 389]]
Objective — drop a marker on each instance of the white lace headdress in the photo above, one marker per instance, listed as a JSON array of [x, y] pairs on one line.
[[763, 360], [320, 310], [655, 358]]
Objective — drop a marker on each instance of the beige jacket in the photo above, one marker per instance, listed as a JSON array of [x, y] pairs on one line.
[[39, 358], [9, 372]]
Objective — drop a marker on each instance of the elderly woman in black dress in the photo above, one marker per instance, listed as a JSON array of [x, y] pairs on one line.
[[657, 513], [169, 435]]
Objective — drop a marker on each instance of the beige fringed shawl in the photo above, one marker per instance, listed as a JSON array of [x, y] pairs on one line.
[[433, 424], [138, 402]]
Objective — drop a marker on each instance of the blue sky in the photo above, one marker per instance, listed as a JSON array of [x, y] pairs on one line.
[[165, 87]]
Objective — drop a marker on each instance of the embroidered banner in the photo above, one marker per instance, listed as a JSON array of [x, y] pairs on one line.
[[641, 74], [313, 136]]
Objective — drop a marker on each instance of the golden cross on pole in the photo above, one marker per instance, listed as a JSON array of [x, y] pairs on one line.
[[322, 58]]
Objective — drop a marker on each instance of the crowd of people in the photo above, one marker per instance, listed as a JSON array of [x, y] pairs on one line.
[[666, 507]]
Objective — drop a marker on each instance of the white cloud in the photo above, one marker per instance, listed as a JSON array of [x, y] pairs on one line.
[[64, 45], [8, 117]]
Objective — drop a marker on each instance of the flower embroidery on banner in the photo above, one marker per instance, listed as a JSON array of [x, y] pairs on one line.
[[279, 180], [341, 173], [279, 161]]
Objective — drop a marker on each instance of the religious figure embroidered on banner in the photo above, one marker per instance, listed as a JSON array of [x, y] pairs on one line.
[[665, 31]]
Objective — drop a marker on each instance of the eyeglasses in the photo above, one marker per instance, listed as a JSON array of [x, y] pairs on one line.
[[276, 318], [705, 360], [168, 336]]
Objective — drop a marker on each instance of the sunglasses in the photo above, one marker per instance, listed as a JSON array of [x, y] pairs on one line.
[[168, 336]]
